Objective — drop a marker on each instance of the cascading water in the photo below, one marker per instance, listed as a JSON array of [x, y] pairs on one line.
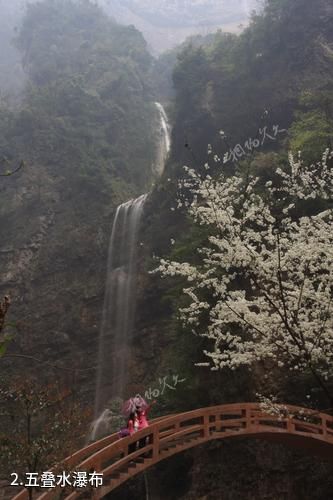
[[119, 303], [164, 142], [120, 298]]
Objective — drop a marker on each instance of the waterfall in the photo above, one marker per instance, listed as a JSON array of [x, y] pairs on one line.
[[164, 141], [115, 338], [119, 304]]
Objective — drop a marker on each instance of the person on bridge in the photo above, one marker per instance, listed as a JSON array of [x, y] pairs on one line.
[[132, 426], [133, 423], [142, 413]]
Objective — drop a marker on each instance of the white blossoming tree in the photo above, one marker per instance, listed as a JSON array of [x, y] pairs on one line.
[[265, 278]]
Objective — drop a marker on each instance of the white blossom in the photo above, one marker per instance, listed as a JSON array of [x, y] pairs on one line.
[[268, 270]]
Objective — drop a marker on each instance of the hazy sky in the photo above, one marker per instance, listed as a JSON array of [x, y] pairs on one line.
[[164, 23]]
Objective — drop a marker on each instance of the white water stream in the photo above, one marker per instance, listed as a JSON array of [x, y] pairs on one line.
[[116, 333]]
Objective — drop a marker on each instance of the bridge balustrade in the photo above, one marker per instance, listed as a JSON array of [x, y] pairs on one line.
[[169, 435]]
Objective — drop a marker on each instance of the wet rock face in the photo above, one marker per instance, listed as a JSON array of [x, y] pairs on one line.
[[52, 263], [24, 258]]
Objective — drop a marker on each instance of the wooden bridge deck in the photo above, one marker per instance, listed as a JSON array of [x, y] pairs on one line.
[[169, 435]]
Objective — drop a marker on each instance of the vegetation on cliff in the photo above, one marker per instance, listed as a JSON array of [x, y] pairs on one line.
[[264, 80], [278, 71], [86, 113], [85, 129], [85, 116], [40, 425]]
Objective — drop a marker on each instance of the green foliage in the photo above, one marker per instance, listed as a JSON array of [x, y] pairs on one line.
[[310, 134], [243, 83], [312, 129], [163, 67], [86, 114], [4, 341], [40, 425], [61, 37], [278, 71]]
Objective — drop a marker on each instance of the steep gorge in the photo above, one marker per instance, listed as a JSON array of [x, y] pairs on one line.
[[56, 218], [242, 85], [84, 117]]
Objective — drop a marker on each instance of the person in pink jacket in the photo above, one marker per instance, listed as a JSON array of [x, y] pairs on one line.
[[132, 426], [133, 423], [142, 415], [143, 421]]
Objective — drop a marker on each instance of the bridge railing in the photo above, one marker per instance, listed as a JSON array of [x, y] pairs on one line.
[[119, 459], [72, 461], [167, 436]]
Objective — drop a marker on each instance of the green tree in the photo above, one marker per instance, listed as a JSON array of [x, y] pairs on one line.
[[261, 289], [87, 109], [40, 426], [312, 129], [258, 78]]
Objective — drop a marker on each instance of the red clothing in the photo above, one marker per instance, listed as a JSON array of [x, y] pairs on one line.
[[133, 425], [142, 414]]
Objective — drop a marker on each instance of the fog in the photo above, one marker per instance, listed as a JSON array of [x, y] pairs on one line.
[[166, 222], [164, 24], [11, 72]]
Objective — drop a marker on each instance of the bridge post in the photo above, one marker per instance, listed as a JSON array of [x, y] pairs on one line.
[[96, 495], [156, 443], [247, 417], [290, 424], [206, 426]]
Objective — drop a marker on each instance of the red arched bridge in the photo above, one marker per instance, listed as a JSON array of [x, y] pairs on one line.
[[172, 434]]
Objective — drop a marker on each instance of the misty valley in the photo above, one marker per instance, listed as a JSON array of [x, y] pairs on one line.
[[166, 250]]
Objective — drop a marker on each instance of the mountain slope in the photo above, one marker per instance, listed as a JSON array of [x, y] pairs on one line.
[[85, 129]]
